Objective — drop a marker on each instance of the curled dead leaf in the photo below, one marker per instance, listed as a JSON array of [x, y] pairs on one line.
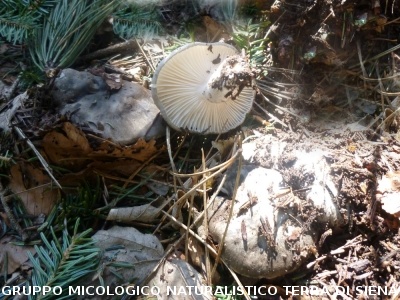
[[143, 213]]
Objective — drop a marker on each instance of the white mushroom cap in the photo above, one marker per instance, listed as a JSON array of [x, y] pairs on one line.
[[203, 88]]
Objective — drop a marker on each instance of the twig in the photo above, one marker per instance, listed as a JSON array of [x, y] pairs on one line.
[[394, 48], [218, 167], [205, 223], [225, 165], [171, 160], [39, 156], [197, 220], [118, 48], [358, 239], [346, 267], [270, 115], [363, 276], [212, 250], [237, 181], [8, 110], [145, 56], [325, 274], [11, 90], [188, 225], [365, 75], [200, 216], [281, 108]]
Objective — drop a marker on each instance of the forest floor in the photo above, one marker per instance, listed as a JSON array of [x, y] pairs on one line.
[[332, 83]]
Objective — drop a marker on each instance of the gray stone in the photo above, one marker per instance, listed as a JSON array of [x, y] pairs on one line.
[[123, 116]]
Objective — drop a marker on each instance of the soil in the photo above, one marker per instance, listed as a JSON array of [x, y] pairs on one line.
[[328, 118]]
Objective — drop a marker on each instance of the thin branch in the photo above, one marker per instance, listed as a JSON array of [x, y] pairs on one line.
[[39, 156]]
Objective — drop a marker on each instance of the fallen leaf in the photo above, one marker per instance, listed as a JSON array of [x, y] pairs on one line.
[[67, 148], [70, 149], [176, 278], [380, 23], [34, 188], [143, 213], [13, 255], [128, 253], [141, 150], [196, 252]]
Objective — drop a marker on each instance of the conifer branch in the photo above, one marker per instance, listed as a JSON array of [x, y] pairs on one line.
[[63, 263]]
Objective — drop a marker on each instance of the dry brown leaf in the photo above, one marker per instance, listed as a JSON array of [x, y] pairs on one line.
[[120, 168], [215, 30], [67, 148], [380, 23], [16, 255], [139, 252], [76, 136], [159, 188], [34, 188], [70, 149], [141, 150]]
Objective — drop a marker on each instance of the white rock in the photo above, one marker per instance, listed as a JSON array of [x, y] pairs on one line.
[[246, 250]]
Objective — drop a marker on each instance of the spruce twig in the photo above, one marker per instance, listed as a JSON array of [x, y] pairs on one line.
[[63, 263], [67, 31], [133, 21]]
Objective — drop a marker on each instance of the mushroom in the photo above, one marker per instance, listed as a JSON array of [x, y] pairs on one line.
[[204, 88]]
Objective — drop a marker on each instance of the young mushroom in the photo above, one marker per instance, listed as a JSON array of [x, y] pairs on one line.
[[204, 88]]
